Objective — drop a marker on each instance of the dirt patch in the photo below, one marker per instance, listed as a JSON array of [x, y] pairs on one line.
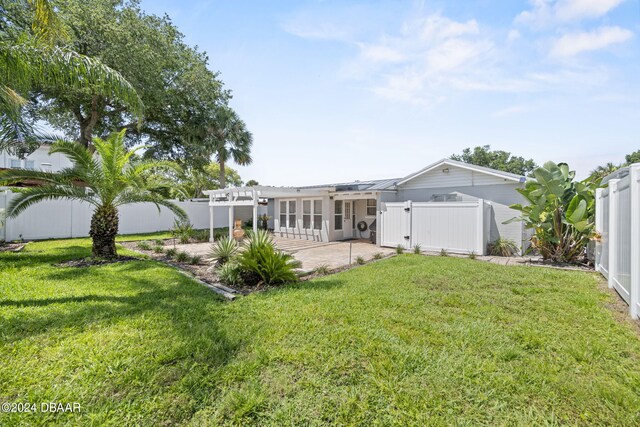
[[12, 247], [90, 262]]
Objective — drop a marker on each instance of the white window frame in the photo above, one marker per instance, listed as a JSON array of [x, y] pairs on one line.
[[312, 213], [15, 160], [287, 213], [366, 208], [341, 214], [30, 164]]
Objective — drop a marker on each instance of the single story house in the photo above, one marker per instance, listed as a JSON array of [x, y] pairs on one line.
[[447, 205]]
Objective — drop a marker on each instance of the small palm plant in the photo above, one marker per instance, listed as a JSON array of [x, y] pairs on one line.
[[261, 259], [108, 179], [223, 250]]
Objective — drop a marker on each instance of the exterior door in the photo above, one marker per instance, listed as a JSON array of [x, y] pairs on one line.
[[347, 221]]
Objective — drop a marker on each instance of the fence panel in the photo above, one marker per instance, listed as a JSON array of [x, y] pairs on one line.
[[55, 219], [456, 226], [618, 223]]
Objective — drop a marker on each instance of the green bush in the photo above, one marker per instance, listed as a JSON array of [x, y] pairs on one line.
[[502, 247], [322, 269], [443, 252], [145, 246], [417, 249], [561, 212], [182, 257], [223, 250], [230, 274], [159, 242], [472, 255], [201, 235], [195, 260], [158, 249], [360, 260], [182, 230], [378, 255], [261, 262], [171, 252], [399, 249]]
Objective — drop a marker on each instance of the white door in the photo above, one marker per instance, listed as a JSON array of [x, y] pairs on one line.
[[347, 221]]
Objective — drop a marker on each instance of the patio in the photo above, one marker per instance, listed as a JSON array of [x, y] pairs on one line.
[[310, 253]]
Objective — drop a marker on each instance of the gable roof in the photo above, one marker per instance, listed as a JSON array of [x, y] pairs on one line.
[[448, 162]]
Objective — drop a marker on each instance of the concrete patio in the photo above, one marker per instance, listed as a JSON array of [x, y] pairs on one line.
[[310, 253]]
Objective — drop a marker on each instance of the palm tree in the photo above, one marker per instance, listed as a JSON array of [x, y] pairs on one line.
[[35, 60], [601, 171], [107, 180], [229, 139]]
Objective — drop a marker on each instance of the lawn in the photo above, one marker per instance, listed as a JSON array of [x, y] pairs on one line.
[[410, 340]]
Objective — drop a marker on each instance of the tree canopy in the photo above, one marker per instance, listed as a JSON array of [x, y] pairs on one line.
[[603, 170], [496, 159]]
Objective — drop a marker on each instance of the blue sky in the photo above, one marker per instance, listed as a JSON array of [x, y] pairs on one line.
[[343, 90]]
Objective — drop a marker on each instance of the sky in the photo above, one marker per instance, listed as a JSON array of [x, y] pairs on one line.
[[337, 91]]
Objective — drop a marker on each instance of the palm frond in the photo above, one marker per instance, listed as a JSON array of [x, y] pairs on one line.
[[13, 176], [30, 196]]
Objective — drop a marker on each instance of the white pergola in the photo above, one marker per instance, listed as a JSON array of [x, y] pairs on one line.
[[248, 196]]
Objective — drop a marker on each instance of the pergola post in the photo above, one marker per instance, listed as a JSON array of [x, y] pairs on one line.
[[211, 236], [255, 212], [230, 222]]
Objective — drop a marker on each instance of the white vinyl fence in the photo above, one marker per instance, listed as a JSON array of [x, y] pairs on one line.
[[454, 226], [618, 222], [56, 219]]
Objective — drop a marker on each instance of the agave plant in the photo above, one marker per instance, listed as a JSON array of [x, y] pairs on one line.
[[223, 250], [561, 212], [502, 247]]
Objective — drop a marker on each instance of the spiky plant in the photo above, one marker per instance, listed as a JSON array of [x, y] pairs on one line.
[[106, 179], [223, 250]]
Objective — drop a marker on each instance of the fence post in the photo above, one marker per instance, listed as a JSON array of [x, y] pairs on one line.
[[634, 289], [480, 232], [613, 230], [407, 223], [599, 227]]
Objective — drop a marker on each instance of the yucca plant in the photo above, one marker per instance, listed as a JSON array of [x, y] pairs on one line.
[[223, 250], [230, 274], [260, 258], [106, 179]]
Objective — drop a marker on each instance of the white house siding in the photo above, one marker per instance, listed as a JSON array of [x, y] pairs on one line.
[[455, 177], [41, 160], [298, 231], [501, 196]]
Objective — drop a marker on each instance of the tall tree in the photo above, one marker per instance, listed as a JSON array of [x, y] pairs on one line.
[[190, 182], [171, 78], [29, 57], [107, 181], [227, 137], [496, 159], [633, 157]]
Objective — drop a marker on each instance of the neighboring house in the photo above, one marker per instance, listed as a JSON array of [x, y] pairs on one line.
[[40, 159], [454, 206]]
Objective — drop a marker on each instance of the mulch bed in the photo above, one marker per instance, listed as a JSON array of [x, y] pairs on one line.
[[12, 247]]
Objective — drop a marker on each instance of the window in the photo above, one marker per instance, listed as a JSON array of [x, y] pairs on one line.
[[338, 215], [371, 207], [30, 164], [312, 214], [288, 213], [15, 163], [446, 197]]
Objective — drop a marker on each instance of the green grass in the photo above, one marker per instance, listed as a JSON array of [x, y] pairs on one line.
[[410, 340]]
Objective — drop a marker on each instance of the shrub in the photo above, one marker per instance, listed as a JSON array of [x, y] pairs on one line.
[[171, 252], [145, 246], [223, 250], [260, 260], [201, 236], [158, 249], [183, 230], [443, 252], [182, 257], [399, 249], [360, 260], [502, 247], [195, 260], [378, 255], [230, 274], [322, 269], [417, 249], [472, 255], [159, 242], [560, 210]]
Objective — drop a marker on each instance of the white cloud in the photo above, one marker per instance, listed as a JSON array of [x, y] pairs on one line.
[[510, 111], [381, 53], [513, 35], [547, 12], [574, 43]]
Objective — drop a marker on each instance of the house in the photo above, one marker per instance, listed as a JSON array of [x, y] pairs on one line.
[[40, 159], [447, 205]]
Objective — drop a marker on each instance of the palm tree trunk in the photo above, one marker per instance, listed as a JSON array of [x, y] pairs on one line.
[[222, 179], [104, 227]]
